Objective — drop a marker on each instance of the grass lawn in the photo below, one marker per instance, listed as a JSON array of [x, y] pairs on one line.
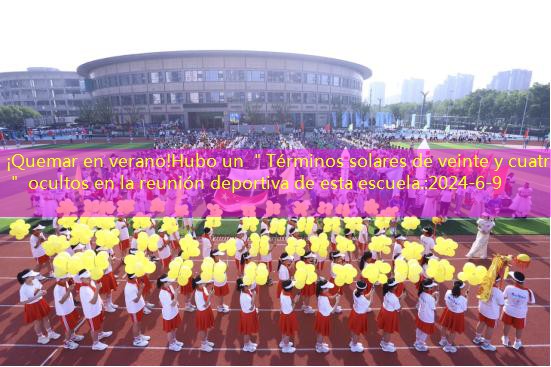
[[451, 145], [96, 146]]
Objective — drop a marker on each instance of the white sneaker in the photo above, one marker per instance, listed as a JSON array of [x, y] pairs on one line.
[[249, 348], [77, 338], [254, 345], [43, 339], [104, 334], [53, 335], [181, 344], [145, 337], [488, 347], [69, 344], [389, 348], [478, 340], [320, 348], [114, 306], [174, 347], [281, 345], [389, 343], [139, 342], [205, 347], [149, 305], [505, 340], [288, 349], [99, 346], [357, 348], [109, 309], [443, 342], [146, 311], [310, 310], [338, 309], [517, 345], [210, 343], [420, 347], [448, 348], [189, 308]]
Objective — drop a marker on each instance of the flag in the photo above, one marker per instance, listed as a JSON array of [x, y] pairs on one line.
[[448, 129], [358, 119], [289, 176], [427, 125], [302, 126], [345, 119], [351, 127], [334, 118], [526, 132], [230, 202], [413, 120], [277, 129]]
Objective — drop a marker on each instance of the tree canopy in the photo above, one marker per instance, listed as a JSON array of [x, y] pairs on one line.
[[13, 117]]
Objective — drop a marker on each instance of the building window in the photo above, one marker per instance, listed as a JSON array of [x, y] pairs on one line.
[[139, 78], [115, 101], [124, 79], [193, 75], [324, 79], [140, 99], [276, 76], [323, 98], [175, 98], [344, 99], [173, 76], [156, 98], [194, 97], [309, 98], [295, 77], [336, 81], [255, 76], [296, 97], [276, 97], [235, 97], [72, 83], [256, 97], [335, 99], [156, 77], [311, 78], [214, 76], [126, 100], [235, 75]]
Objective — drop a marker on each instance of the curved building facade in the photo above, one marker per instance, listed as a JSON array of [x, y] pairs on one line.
[[219, 89]]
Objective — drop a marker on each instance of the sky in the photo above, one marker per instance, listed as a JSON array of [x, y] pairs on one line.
[[397, 40]]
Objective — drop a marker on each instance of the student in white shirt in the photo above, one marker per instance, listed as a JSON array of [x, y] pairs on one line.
[[221, 288], [108, 283], [267, 259], [248, 317], [517, 298], [357, 322], [206, 243], [322, 324], [36, 308], [42, 260], [288, 324], [65, 309], [427, 240], [488, 314], [387, 319], [453, 317], [92, 308], [124, 237], [398, 245], [426, 314], [204, 318], [135, 305], [164, 249], [169, 311], [363, 236], [283, 270], [240, 248]]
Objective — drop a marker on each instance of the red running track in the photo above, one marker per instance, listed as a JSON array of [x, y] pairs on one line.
[[18, 342]]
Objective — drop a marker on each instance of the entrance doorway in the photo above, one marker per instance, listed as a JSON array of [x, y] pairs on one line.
[[206, 120]]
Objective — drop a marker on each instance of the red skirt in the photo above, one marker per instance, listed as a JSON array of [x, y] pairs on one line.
[[42, 259], [486, 320], [336, 289], [204, 320], [248, 323], [175, 244], [137, 317], [515, 322], [357, 323], [222, 291], [108, 283], [36, 311], [288, 324], [322, 325], [187, 289], [166, 262], [147, 285], [388, 321], [124, 245], [454, 322], [427, 328], [308, 290], [399, 289], [96, 324], [279, 289], [71, 320], [169, 325]]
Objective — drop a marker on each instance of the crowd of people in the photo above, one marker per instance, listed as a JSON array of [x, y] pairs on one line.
[[78, 296]]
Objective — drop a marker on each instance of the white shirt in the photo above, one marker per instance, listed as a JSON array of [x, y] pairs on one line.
[[65, 308], [361, 303], [164, 248], [446, 196], [397, 250], [283, 273], [27, 291], [517, 300], [133, 243], [246, 301], [86, 294], [286, 303], [206, 246], [363, 236], [200, 297], [426, 307], [123, 230], [455, 304], [391, 302], [428, 242], [130, 293], [168, 310], [324, 307], [39, 251], [239, 246], [490, 309]]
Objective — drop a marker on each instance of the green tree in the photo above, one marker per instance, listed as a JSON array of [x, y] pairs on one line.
[[13, 117]]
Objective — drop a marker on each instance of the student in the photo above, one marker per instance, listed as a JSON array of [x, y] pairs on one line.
[[124, 237], [147, 287], [283, 270], [135, 305], [322, 325], [388, 320], [170, 312], [426, 314], [517, 298], [165, 252], [488, 314], [398, 246], [363, 236], [65, 309], [309, 290], [204, 318], [206, 242], [357, 321], [221, 289], [248, 318], [42, 260], [336, 258], [367, 258], [427, 240], [108, 284], [36, 308], [453, 317], [240, 247], [92, 308], [288, 324], [264, 231]]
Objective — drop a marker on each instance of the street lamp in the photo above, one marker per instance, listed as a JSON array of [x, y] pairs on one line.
[[423, 105]]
